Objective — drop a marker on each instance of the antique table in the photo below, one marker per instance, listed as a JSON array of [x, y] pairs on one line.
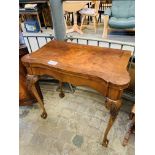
[[74, 6], [102, 69]]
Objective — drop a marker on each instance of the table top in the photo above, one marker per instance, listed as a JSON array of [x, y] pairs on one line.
[[103, 63], [73, 6]]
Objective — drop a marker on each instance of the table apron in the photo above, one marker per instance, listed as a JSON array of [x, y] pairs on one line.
[[77, 80]]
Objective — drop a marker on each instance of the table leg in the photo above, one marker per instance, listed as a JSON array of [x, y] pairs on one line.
[[39, 22], [61, 95], [114, 107], [31, 81], [20, 26], [44, 19], [75, 27]]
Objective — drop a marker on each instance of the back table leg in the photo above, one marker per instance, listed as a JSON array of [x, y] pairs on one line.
[[32, 79], [61, 95]]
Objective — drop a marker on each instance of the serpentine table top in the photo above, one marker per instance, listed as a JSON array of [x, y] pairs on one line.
[[103, 69]]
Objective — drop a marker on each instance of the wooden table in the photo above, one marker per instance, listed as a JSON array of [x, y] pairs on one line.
[[102, 69], [74, 6]]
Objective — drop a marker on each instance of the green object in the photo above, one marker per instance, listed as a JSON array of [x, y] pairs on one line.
[[78, 140], [122, 14]]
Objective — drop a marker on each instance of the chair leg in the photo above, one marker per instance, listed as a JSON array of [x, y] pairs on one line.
[[65, 23], [105, 33], [105, 29], [82, 21], [96, 20], [94, 23]]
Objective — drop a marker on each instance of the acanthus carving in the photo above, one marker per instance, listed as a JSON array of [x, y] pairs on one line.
[[113, 106], [31, 79]]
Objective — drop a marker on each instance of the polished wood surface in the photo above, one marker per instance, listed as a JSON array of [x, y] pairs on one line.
[[102, 69], [73, 6], [104, 64]]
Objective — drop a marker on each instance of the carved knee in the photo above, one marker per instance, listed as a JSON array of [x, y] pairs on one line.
[[31, 80], [113, 106]]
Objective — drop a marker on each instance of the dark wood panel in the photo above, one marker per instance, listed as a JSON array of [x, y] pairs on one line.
[[25, 97]]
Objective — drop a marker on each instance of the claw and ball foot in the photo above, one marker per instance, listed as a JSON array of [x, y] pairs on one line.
[[44, 115], [61, 95], [105, 142], [31, 81]]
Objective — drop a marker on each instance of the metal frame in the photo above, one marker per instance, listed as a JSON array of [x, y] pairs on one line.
[[27, 39]]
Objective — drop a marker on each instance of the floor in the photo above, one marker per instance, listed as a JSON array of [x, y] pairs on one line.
[[74, 126]]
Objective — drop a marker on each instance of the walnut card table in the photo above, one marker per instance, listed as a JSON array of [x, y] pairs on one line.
[[102, 69]]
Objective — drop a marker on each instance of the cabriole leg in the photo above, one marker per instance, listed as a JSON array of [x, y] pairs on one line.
[[114, 107], [32, 79]]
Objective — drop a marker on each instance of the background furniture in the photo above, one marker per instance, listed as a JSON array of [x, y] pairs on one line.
[[120, 16], [74, 6], [44, 11], [46, 14], [35, 12], [104, 4], [92, 12], [102, 69]]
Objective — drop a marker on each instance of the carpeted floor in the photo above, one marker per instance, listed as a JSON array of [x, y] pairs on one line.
[[74, 126]]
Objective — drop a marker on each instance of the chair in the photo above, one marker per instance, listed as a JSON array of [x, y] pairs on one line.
[[120, 16], [104, 4], [92, 12]]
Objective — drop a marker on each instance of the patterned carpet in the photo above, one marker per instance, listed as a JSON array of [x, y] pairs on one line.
[[74, 126]]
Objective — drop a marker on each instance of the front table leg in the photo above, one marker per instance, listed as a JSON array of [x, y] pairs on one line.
[[32, 79], [114, 107]]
